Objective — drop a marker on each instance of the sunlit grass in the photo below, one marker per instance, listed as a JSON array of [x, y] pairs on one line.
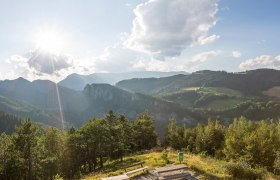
[[204, 167]]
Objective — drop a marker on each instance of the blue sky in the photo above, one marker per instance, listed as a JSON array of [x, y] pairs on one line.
[[126, 35]]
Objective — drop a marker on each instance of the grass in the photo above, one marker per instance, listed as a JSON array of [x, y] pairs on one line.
[[205, 167], [223, 104], [273, 92], [221, 90]]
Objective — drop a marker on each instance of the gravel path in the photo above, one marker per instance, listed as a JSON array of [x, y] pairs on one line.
[[152, 176]]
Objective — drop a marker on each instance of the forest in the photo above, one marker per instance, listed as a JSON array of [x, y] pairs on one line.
[[35, 152]]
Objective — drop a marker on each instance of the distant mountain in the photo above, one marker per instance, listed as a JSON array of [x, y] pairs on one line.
[[78, 82], [249, 82], [103, 97], [217, 94], [189, 98], [39, 101]]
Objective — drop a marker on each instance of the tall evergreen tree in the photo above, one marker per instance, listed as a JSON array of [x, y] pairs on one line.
[[125, 136], [52, 142], [175, 135], [26, 141], [144, 132], [113, 134], [5, 142]]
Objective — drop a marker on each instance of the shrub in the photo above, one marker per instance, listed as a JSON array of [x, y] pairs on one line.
[[203, 154], [242, 170], [276, 164], [164, 156]]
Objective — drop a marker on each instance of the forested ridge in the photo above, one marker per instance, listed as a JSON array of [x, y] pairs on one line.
[[32, 152], [191, 98]]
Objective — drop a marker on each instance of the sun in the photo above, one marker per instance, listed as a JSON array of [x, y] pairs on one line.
[[49, 40]]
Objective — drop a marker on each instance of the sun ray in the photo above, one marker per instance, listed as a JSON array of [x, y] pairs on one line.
[[49, 40]]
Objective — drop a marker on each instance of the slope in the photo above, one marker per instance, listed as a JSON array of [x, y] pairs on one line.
[[250, 82], [78, 82]]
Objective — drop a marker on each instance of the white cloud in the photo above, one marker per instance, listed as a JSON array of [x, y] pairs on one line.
[[19, 68], [200, 58], [209, 39], [49, 63], [264, 61], [161, 29], [38, 66], [164, 28], [118, 58], [152, 65], [236, 54]]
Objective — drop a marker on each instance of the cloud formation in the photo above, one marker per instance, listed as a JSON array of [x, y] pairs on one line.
[[152, 65], [118, 58], [209, 39], [41, 65], [236, 54], [201, 58], [49, 63], [19, 67], [164, 28], [264, 61]]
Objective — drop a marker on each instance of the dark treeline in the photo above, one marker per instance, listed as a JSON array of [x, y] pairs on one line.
[[255, 144], [34, 153]]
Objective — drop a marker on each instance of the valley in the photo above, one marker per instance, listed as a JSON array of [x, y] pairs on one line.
[[191, 99]]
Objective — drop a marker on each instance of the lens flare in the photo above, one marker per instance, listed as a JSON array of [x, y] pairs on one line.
[[49, 40]]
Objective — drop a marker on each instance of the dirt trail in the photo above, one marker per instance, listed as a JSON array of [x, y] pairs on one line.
[[152, 176]]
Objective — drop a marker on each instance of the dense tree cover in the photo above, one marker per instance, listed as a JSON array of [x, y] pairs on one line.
[[32, 152], [256, 143], [8, 123]]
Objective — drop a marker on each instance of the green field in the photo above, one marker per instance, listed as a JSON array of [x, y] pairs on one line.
[[220, 91], [223, 104]]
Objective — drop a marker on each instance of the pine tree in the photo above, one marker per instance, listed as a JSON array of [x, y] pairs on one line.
[[144, 132], [5, 142], [125, 136], [113, 134], [52, 147], [175, 135], [26, 141]]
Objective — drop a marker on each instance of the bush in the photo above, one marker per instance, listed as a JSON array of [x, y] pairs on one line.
[[242, 170], [164, 156], [276, 164], [203, 154]]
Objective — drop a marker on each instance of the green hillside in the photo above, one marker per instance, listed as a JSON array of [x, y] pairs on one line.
[[249, 82], [27, 111], [39, 100], [217, 94], [8, 123], [191, 99]]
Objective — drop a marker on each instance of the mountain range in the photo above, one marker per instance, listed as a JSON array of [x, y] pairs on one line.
[[190, 98], [78, 82]]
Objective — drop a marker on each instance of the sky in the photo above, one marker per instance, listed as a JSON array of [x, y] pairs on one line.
[[50, 39]]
